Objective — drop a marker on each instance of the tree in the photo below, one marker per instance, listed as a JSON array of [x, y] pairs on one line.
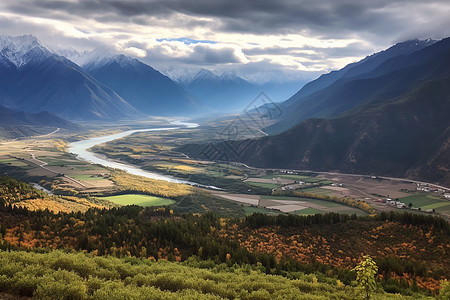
[[444, 293], [365, 274]]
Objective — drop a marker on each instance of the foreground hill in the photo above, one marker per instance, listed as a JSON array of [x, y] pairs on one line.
[[411, 250], [402, 136], [59, 275], [33, 79], [142, 86]]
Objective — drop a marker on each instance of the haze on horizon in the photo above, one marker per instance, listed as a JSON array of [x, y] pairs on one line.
[[256, 39]]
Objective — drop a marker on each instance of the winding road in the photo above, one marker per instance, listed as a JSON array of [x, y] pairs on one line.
[[43, 165]]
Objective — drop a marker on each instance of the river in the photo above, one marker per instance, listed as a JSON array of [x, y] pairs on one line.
[[80, 149]]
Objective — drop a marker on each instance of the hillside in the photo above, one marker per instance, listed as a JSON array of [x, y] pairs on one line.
[[410, 250], [18, 124], [33, 79], [9, 117], [146, 89], [401, 136], [404, 246], [20, 194], [382, 76], [59, 275], [364, 66]]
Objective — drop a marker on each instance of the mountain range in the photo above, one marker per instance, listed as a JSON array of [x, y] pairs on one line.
[[100, 85], [387, 118], [33, 79], [339, 91], [228, 92], [386, 114], [225, 92], [143, 87]]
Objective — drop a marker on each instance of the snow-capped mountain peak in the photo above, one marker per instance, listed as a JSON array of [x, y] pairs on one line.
[[19, 50], [86, 57], [230, 76], [205, 74], [122, 60]]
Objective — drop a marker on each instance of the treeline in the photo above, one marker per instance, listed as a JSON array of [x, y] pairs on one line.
[[154, 233], [257, 219], [127, 231], [20, 194], [415, 219], [13, 190], [158, 233]]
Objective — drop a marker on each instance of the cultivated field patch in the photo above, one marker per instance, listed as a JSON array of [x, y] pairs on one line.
[[425, 201], [141, 200]]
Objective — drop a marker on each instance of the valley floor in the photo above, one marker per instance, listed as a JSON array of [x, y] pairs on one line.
[[80, 191]]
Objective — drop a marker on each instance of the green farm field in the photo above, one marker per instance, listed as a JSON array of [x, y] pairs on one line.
[[319, 191], [308, 211], [13, 162], [263, 184], [426, 201], [141, 200]]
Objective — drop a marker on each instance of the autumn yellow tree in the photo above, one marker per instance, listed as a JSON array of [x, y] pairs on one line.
[[365, 274]]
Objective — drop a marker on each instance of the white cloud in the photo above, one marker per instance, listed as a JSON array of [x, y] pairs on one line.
[[306, 37]]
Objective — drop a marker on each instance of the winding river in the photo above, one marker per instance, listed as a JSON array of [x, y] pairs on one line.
[[80, 149]]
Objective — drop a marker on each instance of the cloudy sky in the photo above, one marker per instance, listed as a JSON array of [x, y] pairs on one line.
[[245, 36]]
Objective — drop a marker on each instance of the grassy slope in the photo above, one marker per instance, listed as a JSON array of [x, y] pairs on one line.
[[58, 275]]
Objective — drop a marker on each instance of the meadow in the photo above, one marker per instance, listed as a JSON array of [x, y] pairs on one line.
[[426, 201], [141, 200]]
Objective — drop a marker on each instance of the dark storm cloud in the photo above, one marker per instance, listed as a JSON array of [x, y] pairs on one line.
[[201, 55], [205, 54], [353, 50], [255, 16], [289, 34]]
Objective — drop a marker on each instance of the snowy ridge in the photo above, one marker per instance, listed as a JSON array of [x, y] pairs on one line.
[[207, 75], [86, 57], [18, 50], [121, 59], [180, 75], [97, 59]]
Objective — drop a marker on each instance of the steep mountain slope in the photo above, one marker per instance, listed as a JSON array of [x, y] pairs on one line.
[[222, 93], [339, 91], [142, 86], [33, 79], [403, 136]]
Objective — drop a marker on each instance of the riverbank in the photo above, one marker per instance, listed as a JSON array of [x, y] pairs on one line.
[[81, 150]]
